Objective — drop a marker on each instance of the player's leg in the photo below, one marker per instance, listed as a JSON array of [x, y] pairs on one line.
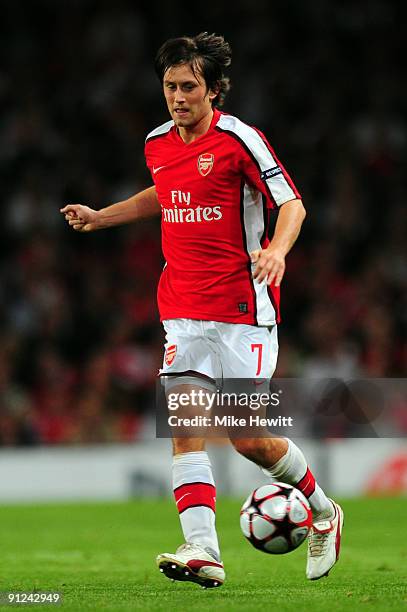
[[252, 353], [291, 467], [197, 560], [195, 491], [282, 459]]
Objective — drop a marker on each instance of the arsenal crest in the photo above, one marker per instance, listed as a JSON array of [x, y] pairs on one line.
[[170, 353], [205, 163]]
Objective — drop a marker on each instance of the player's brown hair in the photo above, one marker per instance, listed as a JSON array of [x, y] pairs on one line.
[[207, 54]]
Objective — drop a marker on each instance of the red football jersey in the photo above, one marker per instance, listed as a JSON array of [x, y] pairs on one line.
[[216, 194]]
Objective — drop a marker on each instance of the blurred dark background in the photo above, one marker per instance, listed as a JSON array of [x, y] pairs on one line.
[[80, 340]]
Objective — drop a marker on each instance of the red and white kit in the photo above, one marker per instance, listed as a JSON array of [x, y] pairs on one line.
[[216, 195]]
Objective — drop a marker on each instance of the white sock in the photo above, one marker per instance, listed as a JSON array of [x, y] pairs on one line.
[[195, 496], [292, 469]]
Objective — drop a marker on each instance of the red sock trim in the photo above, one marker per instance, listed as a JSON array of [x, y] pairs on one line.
[[307, 484], [195, 494]]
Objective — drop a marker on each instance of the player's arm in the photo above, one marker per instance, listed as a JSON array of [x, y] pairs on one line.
[[271, 261], [142, 205]]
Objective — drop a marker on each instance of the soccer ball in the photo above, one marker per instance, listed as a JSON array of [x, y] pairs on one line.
[[276, 518]]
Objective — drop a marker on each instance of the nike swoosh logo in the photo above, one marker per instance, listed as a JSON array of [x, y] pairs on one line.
[[155, 170], [182, 498]]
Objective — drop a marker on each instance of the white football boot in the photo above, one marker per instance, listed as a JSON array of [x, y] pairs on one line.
[[324, 542], [192, 563]]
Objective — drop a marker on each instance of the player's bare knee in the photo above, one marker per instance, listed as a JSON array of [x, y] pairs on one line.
[[264, 451], [248, 447]]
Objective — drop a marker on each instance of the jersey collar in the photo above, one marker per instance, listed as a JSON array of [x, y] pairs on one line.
[[214, 120]]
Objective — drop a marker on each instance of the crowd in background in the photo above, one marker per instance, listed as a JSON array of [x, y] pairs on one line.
[[80, 340]]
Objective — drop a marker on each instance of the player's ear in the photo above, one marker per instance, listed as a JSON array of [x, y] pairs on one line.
[[213, 93]]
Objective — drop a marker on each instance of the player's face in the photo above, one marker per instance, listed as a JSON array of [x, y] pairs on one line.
[[188, 98]]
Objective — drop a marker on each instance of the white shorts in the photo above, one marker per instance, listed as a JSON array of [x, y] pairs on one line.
[[219, 350]]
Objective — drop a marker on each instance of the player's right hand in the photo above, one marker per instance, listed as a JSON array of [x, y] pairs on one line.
[[81, 218]]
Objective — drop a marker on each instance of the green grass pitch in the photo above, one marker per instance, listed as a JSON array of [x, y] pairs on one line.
[[102, 557]]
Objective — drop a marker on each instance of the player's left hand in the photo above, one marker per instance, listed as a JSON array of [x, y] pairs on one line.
[[270, 265]]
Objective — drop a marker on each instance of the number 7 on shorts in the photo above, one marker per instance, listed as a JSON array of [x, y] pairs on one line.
[[258, 347]]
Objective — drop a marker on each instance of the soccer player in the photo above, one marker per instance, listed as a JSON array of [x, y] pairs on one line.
[[216, 181]]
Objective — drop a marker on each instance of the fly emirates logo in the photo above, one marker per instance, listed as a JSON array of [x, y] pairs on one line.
[[184, 213]]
